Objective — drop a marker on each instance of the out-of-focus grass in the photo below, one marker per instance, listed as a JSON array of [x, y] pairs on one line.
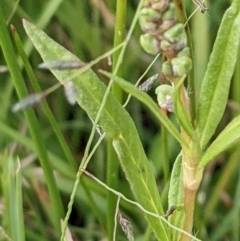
[[87, 30]]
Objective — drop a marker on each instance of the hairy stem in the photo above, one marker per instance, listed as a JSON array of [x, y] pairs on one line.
[[192, 176]]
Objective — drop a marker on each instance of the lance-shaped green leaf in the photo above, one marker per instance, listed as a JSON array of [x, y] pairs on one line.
[[114, 120], [175, 198], [216, 82], [146, 99], [180, 110], [226, 138]]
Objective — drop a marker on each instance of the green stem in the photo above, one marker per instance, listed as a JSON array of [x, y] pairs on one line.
[[113, 182], [189, 200], [112, 159], [119, 36], [220, 186], [34, 128], [192, 176], [182, 18]]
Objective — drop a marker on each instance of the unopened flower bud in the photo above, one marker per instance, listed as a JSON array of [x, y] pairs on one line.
[[159, 5], [176, 34], [170, 13], [149, 43], [184, 52], [167, 68], [147, 26], [149, 14], [165, 97], [181, 65]]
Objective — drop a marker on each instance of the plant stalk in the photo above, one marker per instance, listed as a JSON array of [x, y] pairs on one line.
[[192, 176], [112, 159]]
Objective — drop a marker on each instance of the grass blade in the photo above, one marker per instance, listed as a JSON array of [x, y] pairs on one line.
[[34, 128], [19, 204], [13, 207]]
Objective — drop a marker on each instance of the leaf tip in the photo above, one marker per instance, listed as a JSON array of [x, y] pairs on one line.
[[25, 22], [13, 29]]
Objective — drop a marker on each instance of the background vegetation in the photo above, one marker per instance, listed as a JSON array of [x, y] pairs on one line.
[[86, 28]]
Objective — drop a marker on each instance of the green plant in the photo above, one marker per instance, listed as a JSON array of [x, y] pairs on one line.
[[197, 123]]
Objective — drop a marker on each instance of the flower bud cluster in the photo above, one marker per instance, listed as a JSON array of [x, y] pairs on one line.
[[164, 34]]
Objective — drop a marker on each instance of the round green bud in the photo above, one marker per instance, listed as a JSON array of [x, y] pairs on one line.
[[147, 26], [149, 43], [184, 52], [164, 44], [159, 5], [165, 97], [167, 68], [149, 14], [181, 65], [170, 13], [176, 34]]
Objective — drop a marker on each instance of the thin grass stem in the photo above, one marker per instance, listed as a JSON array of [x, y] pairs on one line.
[[120, 195]]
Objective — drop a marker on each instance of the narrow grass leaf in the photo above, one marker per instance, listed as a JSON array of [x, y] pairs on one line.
[[226, 138], [19, 203], [33, 125], [221, 184], [12, 192], [114, 121], [224, 227], [216, 82]]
